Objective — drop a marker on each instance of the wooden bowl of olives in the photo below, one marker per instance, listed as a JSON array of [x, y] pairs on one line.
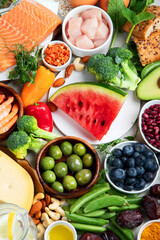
[[68, 167]]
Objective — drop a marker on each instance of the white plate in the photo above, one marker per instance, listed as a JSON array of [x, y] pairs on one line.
[[123, 122], [53, 6]]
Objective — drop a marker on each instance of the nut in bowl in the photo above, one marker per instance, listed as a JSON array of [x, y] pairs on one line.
[[56, 55], [87, 30], [11, 108], [68, 167], [131, 167], [149, 124]]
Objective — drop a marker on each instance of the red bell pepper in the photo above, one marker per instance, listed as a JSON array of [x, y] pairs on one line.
[[43, 115]]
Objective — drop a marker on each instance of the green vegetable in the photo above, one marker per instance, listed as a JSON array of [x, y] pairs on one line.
[[136, 200], [92, 61], [108, 215], [19, 142], [29, 125], [87, 197], [88, 228], [71, 200], [86, 220], [104, 202], [123, 208], [149, 68], [96, 213], [113, 191]]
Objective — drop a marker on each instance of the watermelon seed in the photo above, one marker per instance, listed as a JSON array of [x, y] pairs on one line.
[[80, 103], [80, 116], [102, 123], [94, 121]]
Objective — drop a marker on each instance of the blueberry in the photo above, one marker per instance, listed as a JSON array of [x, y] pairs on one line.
[[136, 154], [148, 164], [139, 147], [128, 150], [117, 163], [130, 162], [117, 152], [140, 184], [140, 171], [128, 187], [117, 174], [148, 177], [148, 153], [130, 181], [124, 159], [140, 160], [154, 168], [131, 172], [158, 157], [110, 160], [119, 183]]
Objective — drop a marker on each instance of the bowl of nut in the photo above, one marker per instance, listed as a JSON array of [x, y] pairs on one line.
[[68, 167], [131, 167]]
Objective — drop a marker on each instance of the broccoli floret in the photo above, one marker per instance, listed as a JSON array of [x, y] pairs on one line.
[[29, 124], [91, 62], [119, 54], [19, 142]]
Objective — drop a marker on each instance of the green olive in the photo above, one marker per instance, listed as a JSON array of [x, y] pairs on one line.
[[55, 152], [49, 176], [79, 149], [83, 177], [69, 183], [87, 160], [66, 148], [74, 163], [61, 169], [57, 186], [46, 163]]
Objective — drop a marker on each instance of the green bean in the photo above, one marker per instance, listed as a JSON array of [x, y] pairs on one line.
[[103, 202], [66, 208], [134, 200], [88, 228], [113, 191], [102, 195], [149, 68], [71, 200], [116, 232], [123, 208], [98, 185], [108, 215], [87, 197], [97, 213], [85, 220]]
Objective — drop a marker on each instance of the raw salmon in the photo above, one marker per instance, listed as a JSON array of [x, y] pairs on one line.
[[28, 23]]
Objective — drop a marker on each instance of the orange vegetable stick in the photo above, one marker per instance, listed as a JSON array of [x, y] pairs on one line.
[[2, 97], [6, 127], [6, 103], [5, 112], [32, 93], [10, 115]]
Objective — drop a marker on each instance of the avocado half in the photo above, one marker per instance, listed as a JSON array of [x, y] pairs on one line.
[[149, 87]]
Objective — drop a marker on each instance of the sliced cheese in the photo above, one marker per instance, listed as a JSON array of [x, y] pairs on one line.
[[16, 184]]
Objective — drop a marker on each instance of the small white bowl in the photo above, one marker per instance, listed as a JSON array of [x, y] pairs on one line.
[[65, 223], [147, 105], [148, 185], [56, 68], [87, 52], [144, 226]]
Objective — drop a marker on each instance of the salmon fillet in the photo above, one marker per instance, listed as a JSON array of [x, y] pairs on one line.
[[28, 23]]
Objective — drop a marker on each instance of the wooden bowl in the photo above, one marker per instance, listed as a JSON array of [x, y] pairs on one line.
[[7, 90], [80, 190]]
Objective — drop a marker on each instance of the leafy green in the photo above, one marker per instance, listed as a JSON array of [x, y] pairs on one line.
[[26, 64], [102, 177]]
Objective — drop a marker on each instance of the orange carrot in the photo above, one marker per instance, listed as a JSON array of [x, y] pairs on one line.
[[5, 112], [32, 93], [2, 97], [10, 115], [6, 103], [7, 126]]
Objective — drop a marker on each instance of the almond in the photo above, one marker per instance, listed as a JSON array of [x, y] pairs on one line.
[[52, 106], [36, 207], [36, 221], [38, 215], [48, 199], [58, 82], [69, 70], [85, 59], [43, 205]]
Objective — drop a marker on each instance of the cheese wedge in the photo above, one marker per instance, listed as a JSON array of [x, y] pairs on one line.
[[16, 185]]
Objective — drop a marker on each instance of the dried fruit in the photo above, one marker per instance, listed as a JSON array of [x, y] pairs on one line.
[[51, 106], [69, 70], [151, 206], [109, 235], [155, 190], [129, 219], [85, 59], [36, 207], [90, 236], [58, 82]]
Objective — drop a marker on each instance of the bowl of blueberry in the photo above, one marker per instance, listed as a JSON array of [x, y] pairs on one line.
[[132, 167]]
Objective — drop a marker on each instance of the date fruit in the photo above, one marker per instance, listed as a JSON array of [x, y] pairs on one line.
[[90, 236], [129, 219], [109, 235], [151, 206], [155, 190]]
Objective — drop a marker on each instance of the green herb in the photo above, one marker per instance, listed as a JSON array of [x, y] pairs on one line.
[[135, 18], [106, 146], [26, 64], [102, 177]]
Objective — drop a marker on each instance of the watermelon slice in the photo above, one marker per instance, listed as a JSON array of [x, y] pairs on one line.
[[93, 105]]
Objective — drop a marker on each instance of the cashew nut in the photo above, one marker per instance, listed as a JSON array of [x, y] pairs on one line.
[[38, 197], [60, 211], [46, 220], [62, 202], [40, 231], [78, 66], [55, 216], [64, 219], [55, 204]]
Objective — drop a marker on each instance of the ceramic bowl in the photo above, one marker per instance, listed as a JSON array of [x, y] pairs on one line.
[[80, 190], [87, 52], [144, 226], [52, 67], [120, 146], [144, 108], [8, 91]]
